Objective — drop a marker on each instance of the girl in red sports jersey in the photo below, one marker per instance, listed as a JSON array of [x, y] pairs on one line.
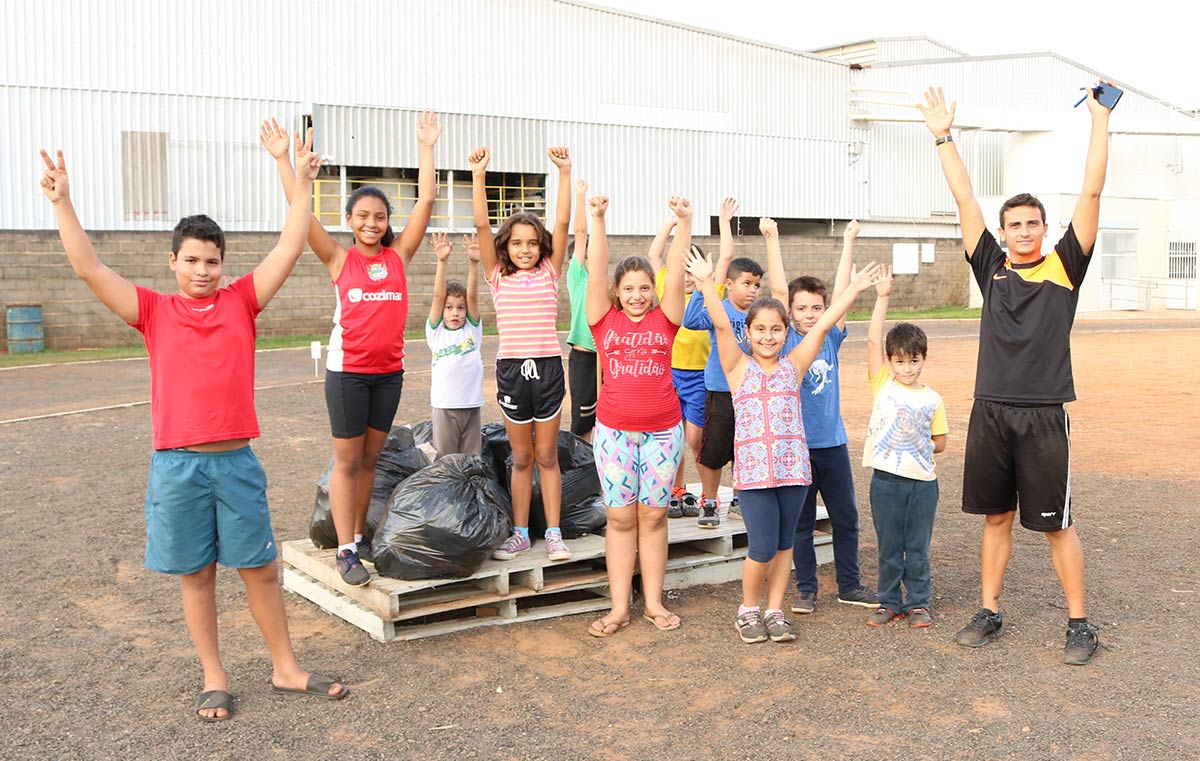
[[364, 371], [639, 423], [522, 265]]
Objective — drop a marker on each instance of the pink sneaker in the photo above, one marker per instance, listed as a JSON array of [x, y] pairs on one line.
[[513, 546], [556, 548]]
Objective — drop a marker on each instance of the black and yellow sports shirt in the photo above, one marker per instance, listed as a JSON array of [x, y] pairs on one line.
[[1025, 331]]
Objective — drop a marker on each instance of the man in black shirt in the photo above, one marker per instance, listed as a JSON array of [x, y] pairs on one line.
[[1018, 446]]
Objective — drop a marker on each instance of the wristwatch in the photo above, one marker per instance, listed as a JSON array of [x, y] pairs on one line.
[[943, 139]]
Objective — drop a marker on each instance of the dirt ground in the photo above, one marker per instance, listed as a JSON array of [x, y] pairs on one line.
[[97, 664]]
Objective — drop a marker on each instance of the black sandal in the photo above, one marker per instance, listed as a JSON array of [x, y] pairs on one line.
[[214, 699]]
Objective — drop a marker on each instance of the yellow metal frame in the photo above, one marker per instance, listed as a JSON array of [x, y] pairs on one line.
[[327, 201]]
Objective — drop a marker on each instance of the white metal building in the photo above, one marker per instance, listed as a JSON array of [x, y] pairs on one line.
[[157, 107]]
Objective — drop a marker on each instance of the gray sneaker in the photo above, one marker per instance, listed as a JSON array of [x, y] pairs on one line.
[[984, 627], [690, 505], [350, 568], [883, 617], [1082, 641], [805, 602], [751, 627], [709, 517], [919, 618], [860, 595], [779, 629]]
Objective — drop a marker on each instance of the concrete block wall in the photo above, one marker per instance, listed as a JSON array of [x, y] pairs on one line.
[[34, 269]]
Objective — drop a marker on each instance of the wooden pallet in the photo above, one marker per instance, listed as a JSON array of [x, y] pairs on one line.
[[502, 592]]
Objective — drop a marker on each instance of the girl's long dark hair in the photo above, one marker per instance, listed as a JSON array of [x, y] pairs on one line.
[[370, 190]]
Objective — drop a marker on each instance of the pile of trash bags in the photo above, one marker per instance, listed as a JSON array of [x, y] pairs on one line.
[[443, 519]]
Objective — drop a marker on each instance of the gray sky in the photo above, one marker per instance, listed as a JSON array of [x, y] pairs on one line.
[[1151, 45]]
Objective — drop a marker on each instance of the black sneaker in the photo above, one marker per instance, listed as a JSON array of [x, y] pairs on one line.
[[351, 569], [690, 505], [1081, 644], [805, 602], [364, 550], [984, 627], [860, 595], [708, 516]]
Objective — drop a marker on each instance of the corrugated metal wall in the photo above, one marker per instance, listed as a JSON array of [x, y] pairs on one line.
[[911, 49], [214, 164]]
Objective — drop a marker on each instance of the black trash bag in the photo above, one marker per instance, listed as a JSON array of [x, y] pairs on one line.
[[495, 441], [443, 521], [583, 509], [396, 463], [423, 432], [489, 460]]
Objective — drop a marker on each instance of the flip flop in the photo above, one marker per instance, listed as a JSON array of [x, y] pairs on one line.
[[317, 687], [603, 631], [672, 620], [214, 699]]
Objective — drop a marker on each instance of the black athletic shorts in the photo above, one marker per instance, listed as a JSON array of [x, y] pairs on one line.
[[530, 390], [358, 401], [581, 371], [1019, 457], [716, 443]]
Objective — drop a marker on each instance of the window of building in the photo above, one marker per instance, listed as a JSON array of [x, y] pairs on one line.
[[1118, 255], [1181, 260], [144, 176]]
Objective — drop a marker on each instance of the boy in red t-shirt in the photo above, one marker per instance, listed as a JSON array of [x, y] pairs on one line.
[[206, 496]]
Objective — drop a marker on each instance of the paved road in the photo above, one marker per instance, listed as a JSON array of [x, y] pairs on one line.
[[57, 389]]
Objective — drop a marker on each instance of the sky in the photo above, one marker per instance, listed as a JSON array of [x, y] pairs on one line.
[[1147, 45]]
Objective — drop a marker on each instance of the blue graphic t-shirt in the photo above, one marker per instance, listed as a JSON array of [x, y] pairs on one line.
[[820, 393], [695, 317]]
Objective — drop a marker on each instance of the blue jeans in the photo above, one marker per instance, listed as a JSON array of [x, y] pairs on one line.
[[833, 478], [903, 509]]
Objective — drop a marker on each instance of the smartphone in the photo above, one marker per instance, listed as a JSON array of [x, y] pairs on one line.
[[1108, 95]]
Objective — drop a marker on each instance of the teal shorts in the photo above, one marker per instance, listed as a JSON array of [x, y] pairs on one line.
[[206, 507]]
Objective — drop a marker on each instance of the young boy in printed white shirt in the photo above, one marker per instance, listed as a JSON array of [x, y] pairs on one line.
[[908, 426], [454, 334]]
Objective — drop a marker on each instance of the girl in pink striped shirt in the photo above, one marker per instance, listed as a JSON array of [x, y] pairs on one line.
[[522, 265]]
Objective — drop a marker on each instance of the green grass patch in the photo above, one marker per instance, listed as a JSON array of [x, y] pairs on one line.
[[940, 313]]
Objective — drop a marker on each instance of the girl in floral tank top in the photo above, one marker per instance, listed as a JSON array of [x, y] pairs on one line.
[[770, 463]]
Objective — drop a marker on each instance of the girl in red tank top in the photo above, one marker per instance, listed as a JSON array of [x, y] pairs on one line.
[[364, 371]]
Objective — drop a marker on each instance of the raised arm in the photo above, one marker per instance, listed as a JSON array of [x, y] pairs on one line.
[[277, 142], [939, 119], [597, 302], [272, 271], [733, 359], [876, 357], [673, 296], [114, 291], [1086, 218], [409, 240], [803, 355], [842, 278], [472, 245], [478, 162], [441, 249], [581, 224], [659, 244], [562, 213], [729, 210], [779, 289]]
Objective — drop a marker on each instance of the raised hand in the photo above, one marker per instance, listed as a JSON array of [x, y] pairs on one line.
[[54, 181], [560, 156], [698, 266], [471, 243], [478, 160], [428, 128], [1095, 106], [581, 187], [884, 286], [308, 163], [274, 138], [938, 117], [441, 246], [599, 205], [852, 230], [681, 207], [768, 227], [729, 209], [861, 280]]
